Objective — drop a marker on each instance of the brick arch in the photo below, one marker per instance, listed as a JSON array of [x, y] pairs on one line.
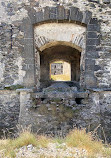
[[60, 14]]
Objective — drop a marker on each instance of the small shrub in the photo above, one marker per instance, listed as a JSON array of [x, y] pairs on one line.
[[24, 139]]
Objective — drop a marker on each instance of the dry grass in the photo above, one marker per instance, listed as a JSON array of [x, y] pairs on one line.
[[76, 138], [24, 139], [81, 139], [8, 146], [43, 141]]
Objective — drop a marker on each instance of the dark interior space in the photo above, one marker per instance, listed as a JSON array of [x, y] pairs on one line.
[[60, 52]]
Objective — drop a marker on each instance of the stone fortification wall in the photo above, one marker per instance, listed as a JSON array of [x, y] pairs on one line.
[[12, 66], [14, 63], [9, 110], [55, 114]]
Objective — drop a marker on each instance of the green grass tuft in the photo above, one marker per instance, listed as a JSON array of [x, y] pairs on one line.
[[14, 87]]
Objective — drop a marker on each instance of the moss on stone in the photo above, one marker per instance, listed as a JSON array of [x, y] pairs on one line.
[[57, 100], [14, 87]]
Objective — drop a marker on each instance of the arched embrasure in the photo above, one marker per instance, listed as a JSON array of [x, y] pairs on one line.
[[60, 14], [60, 53]]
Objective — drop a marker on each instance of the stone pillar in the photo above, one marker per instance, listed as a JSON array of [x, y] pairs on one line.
[[37, 69], [28, 54], [92, 43], [25, 103]]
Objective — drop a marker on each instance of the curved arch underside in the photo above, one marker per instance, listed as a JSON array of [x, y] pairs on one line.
[[70, 34], [60, 53], [62, 43]]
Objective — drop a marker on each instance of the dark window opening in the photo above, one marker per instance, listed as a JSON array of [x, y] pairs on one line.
[[78, 100]]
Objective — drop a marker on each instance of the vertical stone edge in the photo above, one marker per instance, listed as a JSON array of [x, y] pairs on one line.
[[28, 54]]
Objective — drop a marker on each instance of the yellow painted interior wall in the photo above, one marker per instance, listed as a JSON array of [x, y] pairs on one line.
[[66, 76]]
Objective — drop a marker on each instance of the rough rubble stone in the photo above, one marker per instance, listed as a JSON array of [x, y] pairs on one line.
[[19, 65]]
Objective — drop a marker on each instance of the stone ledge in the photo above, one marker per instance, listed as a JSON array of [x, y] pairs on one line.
[[61, 95], [99, 89], [25, 90], [2, 91]]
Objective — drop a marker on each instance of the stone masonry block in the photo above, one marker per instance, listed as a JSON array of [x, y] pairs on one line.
[[53, 13], [29, 67], [28, 41], [29, 79], [39, 16], [29, 51], [106, 1], [89, 65], [92, 34], [46, 13], [73, 13], [92, 54], [79, 16], [94, 21], [60, 12], [92, 42], [93, 27], [90, 80], [28, 30], [86, 17], [67, 14], [29, 61], [97, 67], [90, 48], [32, 15]]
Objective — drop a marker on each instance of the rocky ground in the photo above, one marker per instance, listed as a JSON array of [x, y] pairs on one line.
[[77, 144], [54, 150]]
